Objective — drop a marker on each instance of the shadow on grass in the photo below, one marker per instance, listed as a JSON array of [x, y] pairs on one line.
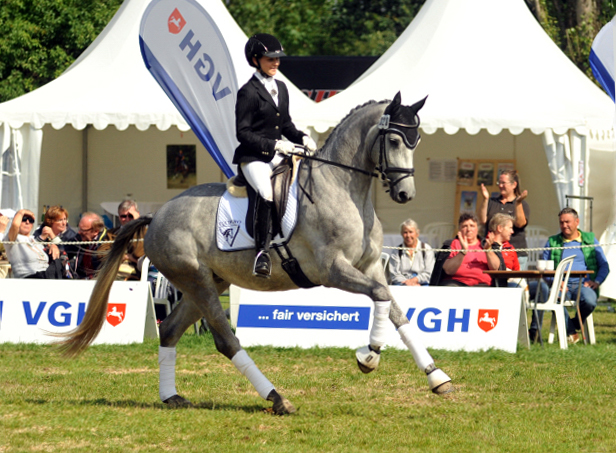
[[157, 405]]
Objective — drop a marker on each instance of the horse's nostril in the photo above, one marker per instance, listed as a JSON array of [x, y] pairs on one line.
[[403, 196]]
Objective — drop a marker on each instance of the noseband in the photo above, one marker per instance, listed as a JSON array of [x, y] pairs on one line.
[[385, 127]]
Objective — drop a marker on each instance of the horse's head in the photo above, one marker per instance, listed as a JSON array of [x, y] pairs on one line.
[[399, 136]]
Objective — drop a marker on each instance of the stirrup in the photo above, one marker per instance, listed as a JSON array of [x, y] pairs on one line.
[[263, 265]]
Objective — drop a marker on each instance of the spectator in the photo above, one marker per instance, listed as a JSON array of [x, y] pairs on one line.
[[510, 201], [413, 266], [4, 221], [89, 256], [55, 229], [127, 211], [500, 231], [466, 269], [586, 258], [29, 259]]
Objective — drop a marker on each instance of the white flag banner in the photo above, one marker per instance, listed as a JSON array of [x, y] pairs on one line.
[[602, 58], [186, 53]]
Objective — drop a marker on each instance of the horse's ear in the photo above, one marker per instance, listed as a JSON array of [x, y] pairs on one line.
[[393, 105], [418, 105]]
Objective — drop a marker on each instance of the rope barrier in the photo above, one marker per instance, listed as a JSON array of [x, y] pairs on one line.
[[516, 250]]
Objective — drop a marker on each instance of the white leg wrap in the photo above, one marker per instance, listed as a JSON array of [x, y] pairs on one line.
[[421, 355], [166, 363], [248, 368], [378, 334]]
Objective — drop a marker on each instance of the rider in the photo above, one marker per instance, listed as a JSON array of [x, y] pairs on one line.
[[261, 119]]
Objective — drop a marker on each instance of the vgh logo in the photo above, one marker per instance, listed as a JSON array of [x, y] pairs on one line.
[[176, 22], [487, 319]]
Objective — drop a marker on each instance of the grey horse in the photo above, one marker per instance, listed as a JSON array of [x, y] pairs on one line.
[[337, 242]]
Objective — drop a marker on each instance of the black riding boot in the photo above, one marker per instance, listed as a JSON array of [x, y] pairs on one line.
[[263, 235]]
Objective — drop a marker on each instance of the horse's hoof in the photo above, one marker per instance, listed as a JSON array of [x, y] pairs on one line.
[[282, 406], [443, 389], [176, 402], [367, 359], [439, 382]]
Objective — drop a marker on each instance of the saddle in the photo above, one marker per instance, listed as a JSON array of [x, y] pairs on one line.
[[282, 177]]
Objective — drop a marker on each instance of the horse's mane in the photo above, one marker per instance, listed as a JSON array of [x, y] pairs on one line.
[[359, 107]]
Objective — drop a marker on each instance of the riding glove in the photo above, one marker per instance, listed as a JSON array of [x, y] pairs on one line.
[[284, 147], [311, 146]]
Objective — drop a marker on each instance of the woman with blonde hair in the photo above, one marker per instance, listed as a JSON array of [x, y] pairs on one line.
[[55, 229], [512, 201]]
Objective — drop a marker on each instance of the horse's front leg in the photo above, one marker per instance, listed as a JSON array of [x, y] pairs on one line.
[[385, 308]]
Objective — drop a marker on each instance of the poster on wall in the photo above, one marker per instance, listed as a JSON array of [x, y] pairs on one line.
[[466, 173], [468, 201], [485, 174], [181, 166]]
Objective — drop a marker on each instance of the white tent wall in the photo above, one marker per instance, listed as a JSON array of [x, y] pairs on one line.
[[118, 163], [435, 201]]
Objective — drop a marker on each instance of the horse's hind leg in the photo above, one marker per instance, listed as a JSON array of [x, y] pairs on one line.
[[226, 343]]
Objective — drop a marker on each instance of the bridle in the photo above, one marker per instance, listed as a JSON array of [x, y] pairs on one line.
[[385, 127]]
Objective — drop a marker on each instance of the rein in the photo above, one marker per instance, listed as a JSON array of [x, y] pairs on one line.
[[385, 127]]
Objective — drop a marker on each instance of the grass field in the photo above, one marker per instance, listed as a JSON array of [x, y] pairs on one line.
[[538, 400]]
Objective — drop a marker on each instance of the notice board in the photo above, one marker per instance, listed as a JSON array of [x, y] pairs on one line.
[[470, 176]]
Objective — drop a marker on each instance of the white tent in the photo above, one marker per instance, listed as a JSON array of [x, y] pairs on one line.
[[107, 85], [488, 68]]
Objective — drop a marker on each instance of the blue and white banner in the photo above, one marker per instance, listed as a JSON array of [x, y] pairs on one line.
[[471, 319], [31, 309], [602, 58], [187, 54]]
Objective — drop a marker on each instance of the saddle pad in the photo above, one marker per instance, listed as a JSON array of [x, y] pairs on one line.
[[231, 234]]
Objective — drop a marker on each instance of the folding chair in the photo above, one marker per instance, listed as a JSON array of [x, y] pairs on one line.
[[555, 302]]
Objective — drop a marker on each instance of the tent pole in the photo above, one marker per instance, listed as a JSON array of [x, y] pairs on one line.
[[84, 169]]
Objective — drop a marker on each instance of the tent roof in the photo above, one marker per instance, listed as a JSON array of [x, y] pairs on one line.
[[109, 83], [484, 64]]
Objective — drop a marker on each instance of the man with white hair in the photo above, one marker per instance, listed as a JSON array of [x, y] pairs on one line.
[[88, 258]]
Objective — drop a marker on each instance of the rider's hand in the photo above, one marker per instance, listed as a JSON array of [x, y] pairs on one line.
[[311, 146], [284, 147]]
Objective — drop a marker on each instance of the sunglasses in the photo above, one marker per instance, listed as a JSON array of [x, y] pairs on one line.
[[125, 216], [27, 218]]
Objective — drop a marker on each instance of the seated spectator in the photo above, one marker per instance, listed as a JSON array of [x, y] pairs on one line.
[[500, 230], [4, 221], [560, 246], [413, 266], [55, 229], [89, 256], [29, 258], [127, 211], [466, 269]]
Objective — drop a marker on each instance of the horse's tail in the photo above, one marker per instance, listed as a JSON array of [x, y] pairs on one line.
[[77, 340]]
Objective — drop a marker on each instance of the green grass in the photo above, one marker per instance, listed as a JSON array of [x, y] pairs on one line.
[[538, 400]]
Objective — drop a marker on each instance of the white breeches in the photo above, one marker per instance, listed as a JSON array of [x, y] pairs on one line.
[[258, 174]]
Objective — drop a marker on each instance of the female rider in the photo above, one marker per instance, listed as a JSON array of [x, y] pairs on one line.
[[261, 119]]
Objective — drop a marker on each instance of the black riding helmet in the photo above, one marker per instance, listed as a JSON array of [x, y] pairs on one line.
[[260, 45]]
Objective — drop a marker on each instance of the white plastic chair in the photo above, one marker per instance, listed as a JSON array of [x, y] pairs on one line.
[[589, 325], [558, 293], [438, 232], [536, 237]]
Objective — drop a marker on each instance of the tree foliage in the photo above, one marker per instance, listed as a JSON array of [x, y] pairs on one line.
[[39, 39]]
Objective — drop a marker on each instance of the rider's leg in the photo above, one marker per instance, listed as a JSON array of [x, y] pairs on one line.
[[258, 174]]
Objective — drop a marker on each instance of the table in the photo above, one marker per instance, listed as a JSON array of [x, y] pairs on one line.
[[539, 275]]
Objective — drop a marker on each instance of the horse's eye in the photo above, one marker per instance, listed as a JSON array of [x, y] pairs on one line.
[[394, 141]]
